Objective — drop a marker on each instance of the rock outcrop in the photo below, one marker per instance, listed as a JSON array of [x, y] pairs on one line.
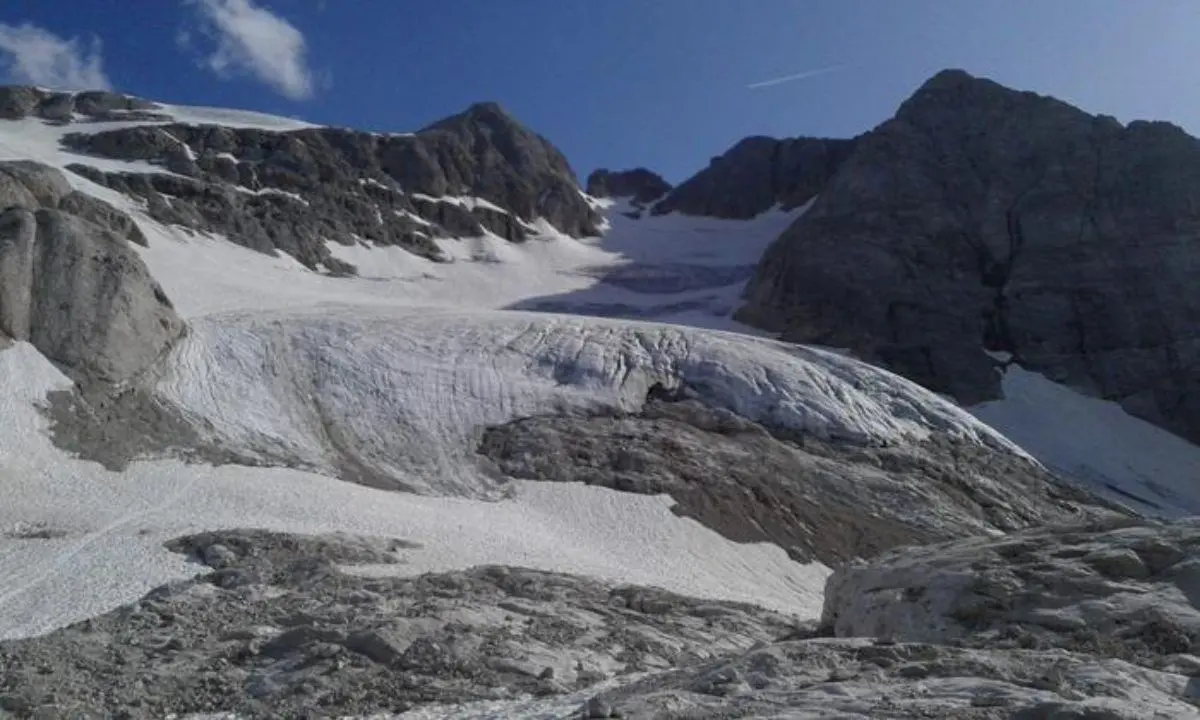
[[756, 175], [861, 678], [818, 499], [297, 190], [486, 152], [18, 102], [71, 284], [640, 185], [275, 628], [1098, 621], [1091, 622], [981, 218], [1124, 589]]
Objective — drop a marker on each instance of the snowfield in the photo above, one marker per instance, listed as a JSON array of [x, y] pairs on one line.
[[77, 540]]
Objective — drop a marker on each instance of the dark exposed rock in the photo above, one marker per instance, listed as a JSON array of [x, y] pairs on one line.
[[115, 426], [295, 191], [17, 102], [640, 184], [1064, 622], [101, 213], [269, 220], [280, 626], [757, 174], [71, 285], [22, 101], [981, 217], [831, 501], [486, 152]]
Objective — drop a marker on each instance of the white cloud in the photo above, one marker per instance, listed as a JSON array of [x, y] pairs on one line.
[[252, 39], [797, 76], [30, 54]]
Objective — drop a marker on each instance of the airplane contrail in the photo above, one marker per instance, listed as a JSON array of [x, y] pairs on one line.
[[798, 76]]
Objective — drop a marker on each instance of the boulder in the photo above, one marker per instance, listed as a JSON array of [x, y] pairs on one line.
[[71, 284]]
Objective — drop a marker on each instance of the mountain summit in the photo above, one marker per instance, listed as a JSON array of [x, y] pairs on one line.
[[983, 220], [296, 188]]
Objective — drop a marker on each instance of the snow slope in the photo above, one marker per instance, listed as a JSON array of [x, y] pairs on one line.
[[1098, 443], [77, 540]]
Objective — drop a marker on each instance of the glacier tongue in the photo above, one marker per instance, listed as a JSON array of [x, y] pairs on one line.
[[403, 395]]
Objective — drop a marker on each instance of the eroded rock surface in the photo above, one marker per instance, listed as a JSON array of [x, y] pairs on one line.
[[1094, 621], [822, 499], [858, 679], [757, 174], [19, 101], [640, 185], [284, 625], [298, 190], [71, 284], [276, 629], [1127, 589], [985, 218]]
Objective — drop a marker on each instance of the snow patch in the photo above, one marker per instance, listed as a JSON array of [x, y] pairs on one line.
[[272, 191], [464, 201], [1098, 443]]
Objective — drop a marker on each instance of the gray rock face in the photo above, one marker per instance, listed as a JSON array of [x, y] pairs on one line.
[[1129, 590], [18, 102], [275, 629], [640, 184], [829, 501], [757, 174], [487, 152], [981, 217], [1098, 621], [295, 191], [851, 679], [71, 285]]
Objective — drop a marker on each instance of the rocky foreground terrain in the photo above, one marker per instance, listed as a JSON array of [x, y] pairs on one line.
[[1096, 621]]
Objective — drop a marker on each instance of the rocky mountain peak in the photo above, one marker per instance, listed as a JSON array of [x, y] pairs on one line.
[[982, 218], [493, 129], [299, 189], [756, 174], [487, 113], [641, 185]]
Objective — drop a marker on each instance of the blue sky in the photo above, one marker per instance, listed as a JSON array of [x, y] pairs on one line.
[[616, 83]]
